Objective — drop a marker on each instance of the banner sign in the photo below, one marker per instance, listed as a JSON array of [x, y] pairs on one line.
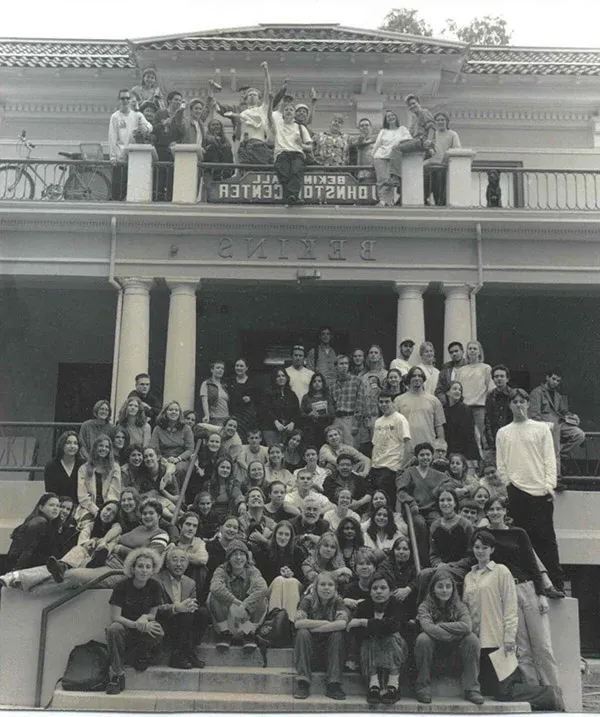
[[319, 188]]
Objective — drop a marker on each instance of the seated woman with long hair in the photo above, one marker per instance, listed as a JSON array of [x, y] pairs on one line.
[[173, 438], [326, 556], [132, 417], [399, 568], [382, 531], [458, 473], [120, 443], [209, 522], [280, 411], [276, 507], [132, 469], [159, 480], [60, 474], [92, 428], [341, 511], [67, 531], [36, 539], [225, 489], [447, 630], [293, 450], [98, 480], [350, 538], [275, 468], [317, 410], [256, 478], [280, 564], [378, 500], [210, 452], [231, 443]]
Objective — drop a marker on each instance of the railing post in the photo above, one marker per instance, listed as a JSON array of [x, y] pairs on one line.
[[185, 181], [139, 172], [413, 194], [459, 187]]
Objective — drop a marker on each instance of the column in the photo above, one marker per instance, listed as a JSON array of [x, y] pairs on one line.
[[139, 172], [459, 188], [135, 335], [457, 315], [411, 315], [185, 180], [413, 194], [180, 364]]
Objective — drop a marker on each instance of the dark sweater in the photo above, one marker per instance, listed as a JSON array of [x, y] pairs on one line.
[[33, 543], [270, 569], [451, 546], [513, 549], [56, 479], [279, 406], [394, 619], [460, 431]]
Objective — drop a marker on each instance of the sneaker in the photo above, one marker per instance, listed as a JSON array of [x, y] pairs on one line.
[[335, 692], [99, 558], [391, 695], [302, 690], [224, 640], [423, 696], [56, 568], [374, 695], [197, 662], [181, 662], [249, 643], [474, 696], [114, 686]]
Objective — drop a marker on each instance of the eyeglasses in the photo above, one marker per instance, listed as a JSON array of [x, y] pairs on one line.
[[125, 97]]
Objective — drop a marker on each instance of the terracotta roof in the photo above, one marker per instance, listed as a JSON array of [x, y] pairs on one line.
[[531, 61], [66, 53], [302, 38]]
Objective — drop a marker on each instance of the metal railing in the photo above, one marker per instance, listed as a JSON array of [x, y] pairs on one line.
[[163, 174], [414, 546], [15, 453], [550, 189], [54, 180], [39, 677]]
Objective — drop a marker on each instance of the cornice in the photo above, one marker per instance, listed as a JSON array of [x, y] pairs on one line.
[[527, 115]]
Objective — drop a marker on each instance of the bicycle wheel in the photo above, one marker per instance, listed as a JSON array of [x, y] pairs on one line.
[[16, 183], [88, 184]]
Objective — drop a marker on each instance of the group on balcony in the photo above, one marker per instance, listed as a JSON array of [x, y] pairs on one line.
[[268, 129]]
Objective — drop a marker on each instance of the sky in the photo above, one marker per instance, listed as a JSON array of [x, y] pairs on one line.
[[549, 24]]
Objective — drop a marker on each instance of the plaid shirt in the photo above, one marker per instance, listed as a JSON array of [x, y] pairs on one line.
[[345, 395]]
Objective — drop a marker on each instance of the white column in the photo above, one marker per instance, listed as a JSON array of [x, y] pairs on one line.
[[412, 180], [411, 315], [135, 335], [459, 183], [185, 180], [139, 172], [180, 364], [457, 315], [594, 131]]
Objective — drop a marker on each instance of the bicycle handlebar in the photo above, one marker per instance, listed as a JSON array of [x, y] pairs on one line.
[[25, 141]]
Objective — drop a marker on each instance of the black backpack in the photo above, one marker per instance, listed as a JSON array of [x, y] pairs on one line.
[[275, 631], [87, 668]]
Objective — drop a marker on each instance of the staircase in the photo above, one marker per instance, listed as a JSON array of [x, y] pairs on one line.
[[233, 681]]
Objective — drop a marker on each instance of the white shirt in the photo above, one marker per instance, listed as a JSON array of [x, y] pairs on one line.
[[525, 457], [332, 517], [389, 434], [319, 475], [299, 380], [254, 123], [294, 500], [387, 139], [432, 373], [120, 132], [401, 365], [289, 136]]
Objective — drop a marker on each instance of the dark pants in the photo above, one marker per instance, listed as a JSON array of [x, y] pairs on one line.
[[535, 514], [468, 651], [329, 646], [180, 633], [127, 644], [422, 523], [290, 172], [385, 479], [118, 188]]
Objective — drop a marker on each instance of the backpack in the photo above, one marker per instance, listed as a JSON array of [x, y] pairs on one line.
[[275, 631], [87, 668]]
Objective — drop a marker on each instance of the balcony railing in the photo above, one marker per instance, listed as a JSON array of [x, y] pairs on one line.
[[554, 189], [188, 181]]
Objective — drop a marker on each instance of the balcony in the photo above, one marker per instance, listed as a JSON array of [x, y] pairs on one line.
[[188, 181]]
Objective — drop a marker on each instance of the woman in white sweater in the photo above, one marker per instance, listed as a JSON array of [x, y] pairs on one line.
[[388, 137], [476, 379]]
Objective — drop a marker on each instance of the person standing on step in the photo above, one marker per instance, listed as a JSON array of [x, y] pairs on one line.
[[322, 358], [300, 376], [134, 630], [321, 622]]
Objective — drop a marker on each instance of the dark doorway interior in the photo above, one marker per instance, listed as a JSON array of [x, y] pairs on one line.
[[80, 385]]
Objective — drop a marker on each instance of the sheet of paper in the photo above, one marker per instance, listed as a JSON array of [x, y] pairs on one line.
[[505, 663]]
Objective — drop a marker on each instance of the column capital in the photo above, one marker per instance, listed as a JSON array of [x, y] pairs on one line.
[[185, 149], [461, 152], [414, 291], [142, 149], [135, 285], [183, 286], [456, 290]]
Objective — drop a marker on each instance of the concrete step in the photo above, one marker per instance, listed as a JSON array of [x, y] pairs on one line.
[[186, 701], [280, 657]]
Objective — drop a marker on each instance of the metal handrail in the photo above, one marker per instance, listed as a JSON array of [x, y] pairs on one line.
[[270, 168], [525, 170], [39, 678], [413, 538], [186, 480], [40, 424]]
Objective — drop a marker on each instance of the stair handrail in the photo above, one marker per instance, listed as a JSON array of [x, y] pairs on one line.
[[186, 480], [39, 678], [412, 537]]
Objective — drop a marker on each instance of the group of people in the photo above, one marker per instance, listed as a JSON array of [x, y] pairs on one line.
[[269, 129], [396, 514]]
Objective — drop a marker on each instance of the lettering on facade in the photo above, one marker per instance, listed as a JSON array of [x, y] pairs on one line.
[[296, 249], [264, 188]]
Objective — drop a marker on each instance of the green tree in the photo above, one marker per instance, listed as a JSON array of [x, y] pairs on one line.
[[407, 22], [487, 30]]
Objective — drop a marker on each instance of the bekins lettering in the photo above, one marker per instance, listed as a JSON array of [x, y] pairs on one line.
[[294, 249]]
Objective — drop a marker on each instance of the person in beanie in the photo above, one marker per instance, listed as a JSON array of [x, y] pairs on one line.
[[237, 601]]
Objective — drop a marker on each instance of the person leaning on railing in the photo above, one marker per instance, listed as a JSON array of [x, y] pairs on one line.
[[389, 136]]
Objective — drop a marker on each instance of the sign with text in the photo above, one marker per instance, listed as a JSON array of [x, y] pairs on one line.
[[319, 188]]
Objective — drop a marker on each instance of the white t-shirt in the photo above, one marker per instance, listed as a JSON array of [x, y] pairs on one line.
[[299, 380], [289, 136], [254, 123], [294, 500], [401, 365], [423, 412], [334, 519], [318, 476], [387, 139], [389, 434]]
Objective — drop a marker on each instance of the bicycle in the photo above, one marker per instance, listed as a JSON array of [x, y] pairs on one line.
[[79, 180]]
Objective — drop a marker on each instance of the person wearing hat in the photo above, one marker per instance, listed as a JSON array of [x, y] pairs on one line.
[[237, 601], [405, 349]]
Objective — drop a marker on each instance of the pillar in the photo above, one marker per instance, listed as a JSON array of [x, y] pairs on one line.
[[457, 315], [180, 364], [411, 315], [594, 131], [139, 172], [413, 194], [185, 181], [135, 335], [459, 188]]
